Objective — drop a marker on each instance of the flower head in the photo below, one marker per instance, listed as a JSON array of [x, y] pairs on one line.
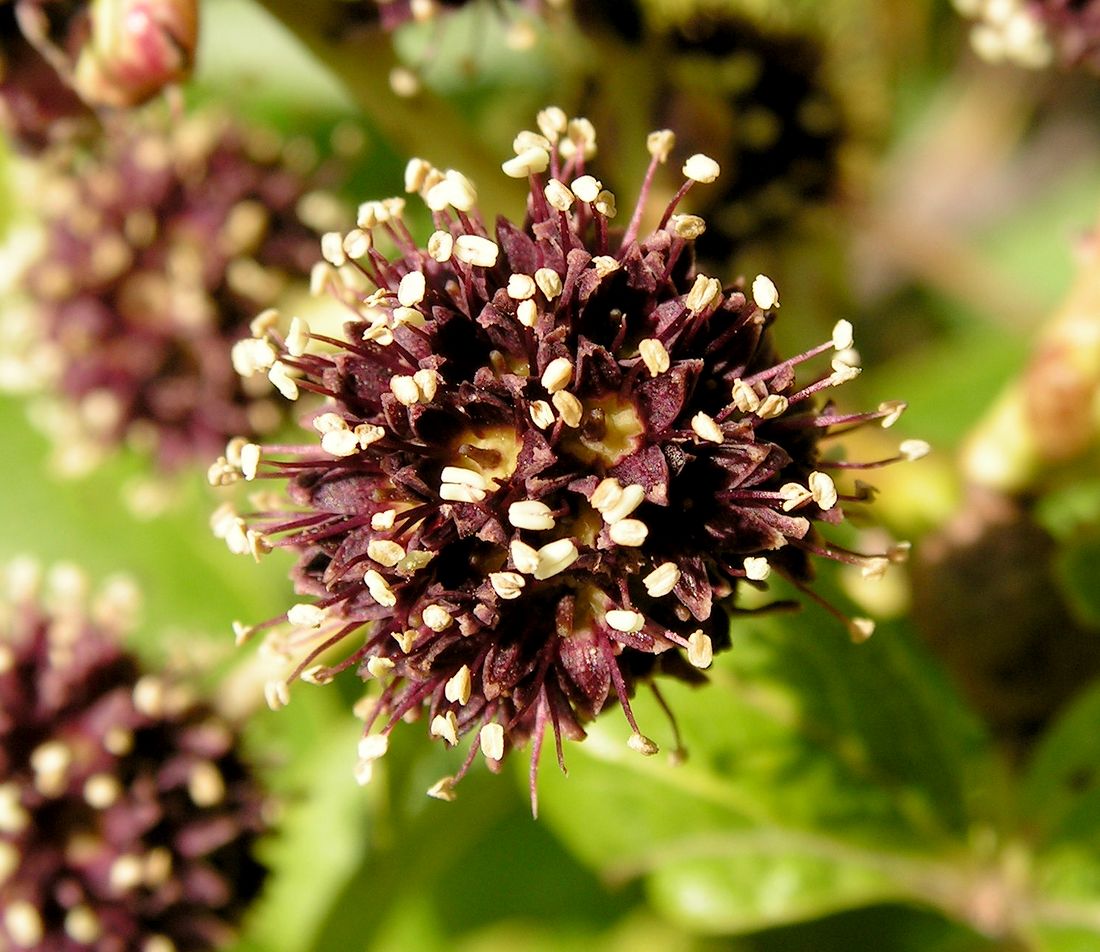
[[1010, 31], [544, 453], [127, 817], [159, 249]]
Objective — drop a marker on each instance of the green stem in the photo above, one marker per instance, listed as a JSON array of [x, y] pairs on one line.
[[421, 125]]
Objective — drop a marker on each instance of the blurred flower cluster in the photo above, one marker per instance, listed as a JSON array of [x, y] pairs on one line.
[[161, 244], [127, 816]]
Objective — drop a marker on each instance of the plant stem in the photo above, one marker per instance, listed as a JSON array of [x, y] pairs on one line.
[[421, 125]]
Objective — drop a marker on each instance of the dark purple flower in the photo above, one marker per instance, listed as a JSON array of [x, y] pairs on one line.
[[543, 456], [160, 247], [758, 96], [127, 816]]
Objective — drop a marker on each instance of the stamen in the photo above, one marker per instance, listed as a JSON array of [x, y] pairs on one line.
[[507, 585], [687, 227], [443, 789], [459, 687], [440, 246], [764, 293], [555, 557], [476, 251], [521, 287], [549, 282], [624, 621], [379, 589], [701, 168], [541, 414], [654, 356], [662, 580], [772, 406], [445, 726], [913, 450], [379, 667], [623, 504], [706, 429], [412, 288], [531, 514], [629, 532], [757, 568], [569, 407], [700, 650], [524, 557], [529, 162], [842, 335], [558, 374], [527, 313], [491, 739], [306, 615], [823, 490], [794, 495], [559, 196]]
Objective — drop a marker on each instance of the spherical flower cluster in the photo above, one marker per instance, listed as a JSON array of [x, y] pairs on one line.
[[159, 249], [542, 455], [127, 817]]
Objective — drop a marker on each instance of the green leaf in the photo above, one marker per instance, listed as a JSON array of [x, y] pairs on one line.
[[271, 67], [1060, 794], [322, 829], [1059, 804], [189, 581], [822, 776], [885, 928], [1078, 569]]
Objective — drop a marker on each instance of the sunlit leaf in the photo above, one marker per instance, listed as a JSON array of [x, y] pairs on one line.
[[822, 775]]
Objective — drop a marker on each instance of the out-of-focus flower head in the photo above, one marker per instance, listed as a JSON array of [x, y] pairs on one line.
[[757, 92], [59, 58], [1035, 33], [127, 816], [760, 99], [160, 247], [544, 453]]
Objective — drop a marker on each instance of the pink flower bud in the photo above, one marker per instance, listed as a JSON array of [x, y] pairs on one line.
[[137, 47]]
